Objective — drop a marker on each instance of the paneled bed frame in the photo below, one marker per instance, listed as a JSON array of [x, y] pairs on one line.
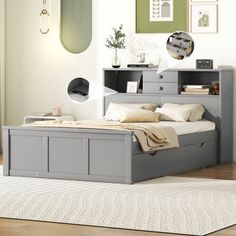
[[113, 156]]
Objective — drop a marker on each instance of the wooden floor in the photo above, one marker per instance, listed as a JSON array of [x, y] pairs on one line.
[[29, 228]]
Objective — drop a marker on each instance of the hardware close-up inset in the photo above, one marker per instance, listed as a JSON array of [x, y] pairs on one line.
[[180, 45]]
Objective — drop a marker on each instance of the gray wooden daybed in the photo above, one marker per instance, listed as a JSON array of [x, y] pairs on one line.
[[113, 156]]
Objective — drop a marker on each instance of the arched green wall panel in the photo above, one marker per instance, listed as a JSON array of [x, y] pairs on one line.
[[76, 24]]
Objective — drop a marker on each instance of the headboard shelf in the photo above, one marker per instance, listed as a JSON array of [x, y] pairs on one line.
[[172, 69], [175, 95], [167, 85], [170, 81]]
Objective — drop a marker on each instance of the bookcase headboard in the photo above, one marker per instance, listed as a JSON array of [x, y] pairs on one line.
[[211, 105]]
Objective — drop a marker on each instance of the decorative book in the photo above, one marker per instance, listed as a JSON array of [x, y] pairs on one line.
[[197, 89]]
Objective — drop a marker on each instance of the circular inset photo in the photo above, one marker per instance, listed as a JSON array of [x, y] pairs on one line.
[[180, 45], [78, 90]]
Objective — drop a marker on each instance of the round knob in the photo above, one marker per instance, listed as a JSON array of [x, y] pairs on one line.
[[160, 77], [160, 88]]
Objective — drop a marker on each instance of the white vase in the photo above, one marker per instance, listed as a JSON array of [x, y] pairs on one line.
[[116, 60], [141, 57]]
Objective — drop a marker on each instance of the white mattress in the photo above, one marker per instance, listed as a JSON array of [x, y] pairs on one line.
[[189, 127], [182, 128]]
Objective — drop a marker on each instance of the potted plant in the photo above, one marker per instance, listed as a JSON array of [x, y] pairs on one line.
[[116, 41]]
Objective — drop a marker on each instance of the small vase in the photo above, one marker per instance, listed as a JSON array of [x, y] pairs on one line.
[[116, 60], [141, 57]]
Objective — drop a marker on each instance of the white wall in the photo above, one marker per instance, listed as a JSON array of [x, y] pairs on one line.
[[39, 68]]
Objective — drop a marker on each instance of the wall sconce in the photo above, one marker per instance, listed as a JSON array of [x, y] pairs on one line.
[[44, 17]]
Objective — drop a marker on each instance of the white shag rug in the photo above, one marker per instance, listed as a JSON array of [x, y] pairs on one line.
[[170, 204]]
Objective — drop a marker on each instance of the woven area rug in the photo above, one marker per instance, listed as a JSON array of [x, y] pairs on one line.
[[170, 204]]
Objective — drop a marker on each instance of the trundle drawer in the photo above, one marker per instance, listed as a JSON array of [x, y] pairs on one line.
[[163, 77], [163, 88]]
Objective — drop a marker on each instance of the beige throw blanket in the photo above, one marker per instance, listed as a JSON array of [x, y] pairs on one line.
[[150, 137]]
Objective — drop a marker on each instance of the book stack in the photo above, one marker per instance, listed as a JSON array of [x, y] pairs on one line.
[[196, 89]]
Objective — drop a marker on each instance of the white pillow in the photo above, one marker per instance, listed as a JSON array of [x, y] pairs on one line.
[[139, 115], [197, 110], [174, 114], [116, 110]]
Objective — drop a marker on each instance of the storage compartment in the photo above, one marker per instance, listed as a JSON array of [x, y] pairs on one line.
[[198, 77], [205, 79], [184, 43], [196, 151], [173, 161], [177, 49], [118, 80], [163, 77], [161, 88]]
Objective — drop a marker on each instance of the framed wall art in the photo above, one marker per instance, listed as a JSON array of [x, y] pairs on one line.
[[204, 18], [161, 16], [206, 1]]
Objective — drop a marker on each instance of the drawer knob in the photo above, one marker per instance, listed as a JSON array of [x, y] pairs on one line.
[[160, 77], [160, 88]]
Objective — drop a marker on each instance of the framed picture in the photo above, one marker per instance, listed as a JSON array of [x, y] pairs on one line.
[[204, 18], [161, 16], [132, 87]]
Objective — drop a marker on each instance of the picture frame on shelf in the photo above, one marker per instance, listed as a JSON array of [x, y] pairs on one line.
[[204, 18], [132, 87]]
